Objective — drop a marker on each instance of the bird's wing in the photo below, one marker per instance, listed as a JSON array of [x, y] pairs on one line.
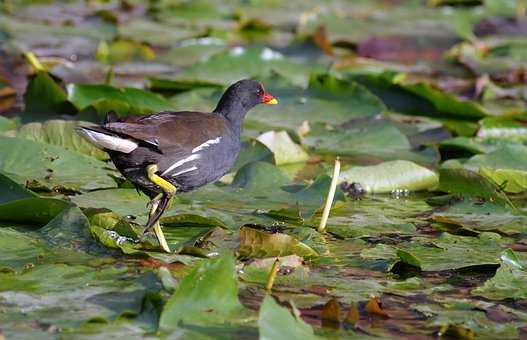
[[180, 136], [171, 131]]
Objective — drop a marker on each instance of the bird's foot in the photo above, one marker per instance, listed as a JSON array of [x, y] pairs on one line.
[[150, 235], [154, 202]]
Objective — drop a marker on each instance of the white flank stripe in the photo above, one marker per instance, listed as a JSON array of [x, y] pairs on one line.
[[180, 163], [105, 141], [184, 171], [206, 144]]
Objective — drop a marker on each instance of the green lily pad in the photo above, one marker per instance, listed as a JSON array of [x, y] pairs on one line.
[[502, 128], [284, 149], [208, 295], [390, 176], [443, 102], [259, 176], [468, 321], [506, 166], [256, 243], [122, 100], [32, 210], [415, 286], [61, 133], [466, 182], [447, 252], [508, 283], [226, 68], [12, 191], [153, 32], [253, 151], [7, 124], [120, 50], [69, 229], [377, 141], [327, 99], [45, 98], [482, 216], [276, 322], [92, 294], [121, 201], [51, 167], [474, 145]]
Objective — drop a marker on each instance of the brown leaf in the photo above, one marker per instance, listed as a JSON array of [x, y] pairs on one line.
[[497, 314], [7, 98], [404, 49], [320, 37], [331, 314], [353, 315], [374, 307], [501, 26]]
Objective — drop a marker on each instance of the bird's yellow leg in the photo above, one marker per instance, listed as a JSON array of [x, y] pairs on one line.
[[157, 228], [168, 188], [159, 181]]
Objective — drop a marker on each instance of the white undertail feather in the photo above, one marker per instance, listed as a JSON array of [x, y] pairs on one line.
[[104, 141], [181, 162]]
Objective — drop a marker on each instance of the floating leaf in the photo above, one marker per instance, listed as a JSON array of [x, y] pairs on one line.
[[510, 282], [32, 211], [502, 128], [443, 102], [276, 323], [376, 141], [100, 294], [284, 149], [52, 167], [256, 243], [122, 50], [482, 216], [61, 133], [447, 252], [253, 151], [465, 182], [12, 191], [390, 176], [373, 306], [123, 100], [330, 314], [226, 68], [327, 100], [506, 166], [208, 295], [44, 98]]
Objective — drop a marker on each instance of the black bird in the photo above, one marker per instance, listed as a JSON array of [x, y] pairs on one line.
[[171, 152]]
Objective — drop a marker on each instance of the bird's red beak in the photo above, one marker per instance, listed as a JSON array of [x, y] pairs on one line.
[[269, 100]]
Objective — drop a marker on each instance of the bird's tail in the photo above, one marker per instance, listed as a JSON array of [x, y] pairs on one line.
[[104, 139]]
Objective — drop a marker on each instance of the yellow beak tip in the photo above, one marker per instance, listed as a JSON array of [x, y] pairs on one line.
[[273, 101]]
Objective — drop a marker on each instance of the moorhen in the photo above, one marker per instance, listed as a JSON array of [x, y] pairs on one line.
[[177, 151]]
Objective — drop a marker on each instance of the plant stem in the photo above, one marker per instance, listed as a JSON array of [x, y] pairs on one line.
[[331, 195], [272, 275], [33, 61]]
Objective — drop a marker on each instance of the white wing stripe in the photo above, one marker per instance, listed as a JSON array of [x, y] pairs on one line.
[[206, 144], [105, 141], [180, 163], [184, 171]]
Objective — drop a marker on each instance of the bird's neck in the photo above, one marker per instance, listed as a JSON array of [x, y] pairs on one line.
[[233, 111]]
